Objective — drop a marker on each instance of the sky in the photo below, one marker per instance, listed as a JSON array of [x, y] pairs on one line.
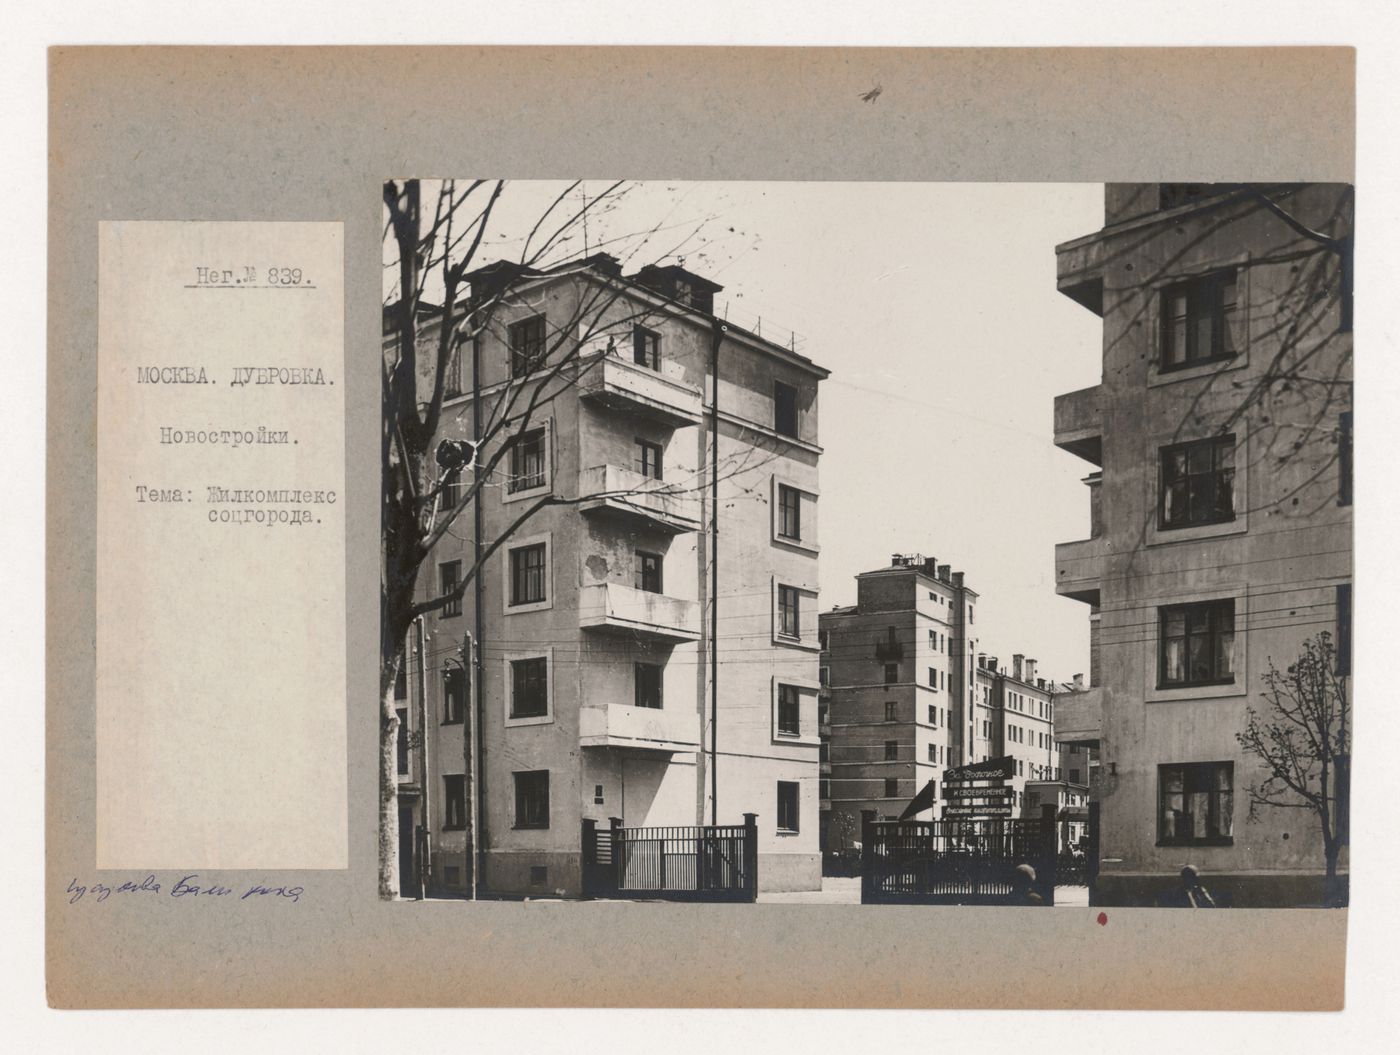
[[934, 307]]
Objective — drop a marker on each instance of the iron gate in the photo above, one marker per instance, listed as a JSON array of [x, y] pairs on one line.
[[954, 862], [700, 863]]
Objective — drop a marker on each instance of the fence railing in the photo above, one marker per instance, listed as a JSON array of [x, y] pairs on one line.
[[700, 863], [955, 862]]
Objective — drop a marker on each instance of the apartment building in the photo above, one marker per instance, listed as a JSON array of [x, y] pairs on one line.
[[909, 695], [672, 533], [1220, 515]]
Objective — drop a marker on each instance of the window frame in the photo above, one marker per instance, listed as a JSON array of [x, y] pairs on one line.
[[454, 675], [649, 458], [783, 405], [789, 513], [790, 811], [446, 586], [1188, 790], [528, 351], [646, 348], [533, 679], [1216, 445], [789, 707], [788, 593], [454, 802], [522, 789], [641, 692], [514, 575], [650, 567], [1189, 609], [521, 480], [891, 788], [1205, 301]]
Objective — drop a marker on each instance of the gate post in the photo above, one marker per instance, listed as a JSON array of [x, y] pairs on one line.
[[619, 856], [867, 855], [589, 853], [1049, 850], [751, 855]]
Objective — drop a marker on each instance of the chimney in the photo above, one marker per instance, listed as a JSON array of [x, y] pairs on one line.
[[1040, 682], [1030, 670], [944, 570], [1016, 665], [1079, 683], [992, 664], [958, 579], [931, 566], [982, 660]]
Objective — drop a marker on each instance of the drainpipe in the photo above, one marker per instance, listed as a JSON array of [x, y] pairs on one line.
[[717, 332], [425, 814]]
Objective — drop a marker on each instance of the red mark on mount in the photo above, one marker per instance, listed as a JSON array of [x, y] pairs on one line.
[[1103, 919]]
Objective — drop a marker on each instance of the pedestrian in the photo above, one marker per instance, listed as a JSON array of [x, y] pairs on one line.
[[1023, 887], [1193, 893]]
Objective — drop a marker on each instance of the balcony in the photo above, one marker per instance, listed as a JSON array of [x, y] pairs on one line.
[[1079, 568], [1079, 424], [612, 607], [1079, 717], [1079, 271], [665, 729], [607, 379], [611, 489]]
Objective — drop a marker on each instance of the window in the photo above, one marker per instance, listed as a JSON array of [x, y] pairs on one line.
[[823, 713], [891, 787], [1074, 776], [824, 752], [527, 461], [648, 576], [787, 806], [1344, 460], [648, 457], [932, 715], [789, 711], [932, 678], [789, 512], [891, 750], [529, 687], [454, 695], [401, 681], [891, 673], [527, 349], [784, 409], [1199, 320], [889, 710], [1197, 803], [648, 685], [1344, 628], [933, 752], [1197, 644], [402, 741], [824, 639], [527, 578], [824, 787], [597, 794], [454, 803], [532, 799], [1198, 483], [449, 577], [789, 624], [451, 488], [646, 345], [452, 379], [824, 677], [933, 639]]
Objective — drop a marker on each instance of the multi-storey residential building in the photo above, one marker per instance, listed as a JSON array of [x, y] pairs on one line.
[[909, 695], [1071, 802], [1220, 515], [600, 622]]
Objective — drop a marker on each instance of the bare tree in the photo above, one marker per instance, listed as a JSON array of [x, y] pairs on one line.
[[427, 483], [1303, 743]]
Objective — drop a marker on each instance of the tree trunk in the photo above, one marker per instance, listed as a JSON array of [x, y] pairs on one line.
[[388, 795]]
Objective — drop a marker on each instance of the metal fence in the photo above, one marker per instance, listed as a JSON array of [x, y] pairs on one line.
[[954, 862], [701, 863]]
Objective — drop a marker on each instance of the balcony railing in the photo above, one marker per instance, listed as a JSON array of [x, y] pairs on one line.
[[666, 506], [673, 728], [609, 379], [1079, 568], [610, 606]]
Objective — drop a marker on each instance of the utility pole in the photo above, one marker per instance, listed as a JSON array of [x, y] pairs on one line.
[[424, 832], [469, 673]]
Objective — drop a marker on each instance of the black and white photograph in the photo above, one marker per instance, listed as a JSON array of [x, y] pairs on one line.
[[858, 543]]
